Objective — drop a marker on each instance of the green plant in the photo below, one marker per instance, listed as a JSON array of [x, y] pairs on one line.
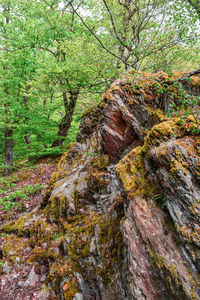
[[162, 200], [10, 199], [91, 154], [32, 189], [4, 234], [184, 104]]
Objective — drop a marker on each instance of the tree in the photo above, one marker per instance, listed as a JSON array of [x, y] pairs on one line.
[[53, 53], [72, 61], [18, 59], [196, 5], [44, 72], [135, 31]]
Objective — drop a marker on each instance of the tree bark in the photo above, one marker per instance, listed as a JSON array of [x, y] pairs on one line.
[[8, 152], [67, 119]]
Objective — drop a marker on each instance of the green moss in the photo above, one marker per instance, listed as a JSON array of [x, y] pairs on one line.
[[156, 114], [189, 233], [38, 255], [19, 226], [177, 166], [158, 260], [101, 162], [111, 247], [195, 208], [133, 175], [170, 271], [69, 290], [193, 294], [60, 172], [86, 250], [13, 248]]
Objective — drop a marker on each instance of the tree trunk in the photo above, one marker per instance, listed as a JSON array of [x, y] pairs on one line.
[[28, 140], [8, 144], [67, 119], [8, 152]]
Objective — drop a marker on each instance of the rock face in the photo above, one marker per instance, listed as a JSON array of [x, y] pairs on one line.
[[121, 217]]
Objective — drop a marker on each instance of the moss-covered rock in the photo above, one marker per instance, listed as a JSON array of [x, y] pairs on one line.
[[120, 219]]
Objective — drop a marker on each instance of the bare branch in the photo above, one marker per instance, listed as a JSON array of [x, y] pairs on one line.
[[113, 22], [48, 50], [9, 50], [100, 42]]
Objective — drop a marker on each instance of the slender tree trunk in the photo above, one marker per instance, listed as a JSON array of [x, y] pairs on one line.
[[8, 144], [28, 140], [67, 119], [8, 152], [27, 136]]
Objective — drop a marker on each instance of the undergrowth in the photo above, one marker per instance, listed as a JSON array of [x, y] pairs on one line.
[[10, 196]]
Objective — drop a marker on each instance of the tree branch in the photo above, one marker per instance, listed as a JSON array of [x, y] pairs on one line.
[[100, 42], [46, 49], [113, 22]]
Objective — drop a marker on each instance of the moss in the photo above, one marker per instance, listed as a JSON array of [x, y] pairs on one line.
[[101, 162], [1, 268], [68, 156], [69, 290], [195, 282], [80, 231], [133, 175], [128, 169], [108, 95], [195, 80], [193, 294], [111, 247], [38, 255], [57, 207], [177, 166], [189, 233], [158, 260], [19, 226], [162, 132], [68, 239], [86, 250], [171, 274], [159, 133], [13, 248], [195, 208], [156, 114]]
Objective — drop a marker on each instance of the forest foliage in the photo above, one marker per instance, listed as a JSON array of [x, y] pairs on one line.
[[57, 57]]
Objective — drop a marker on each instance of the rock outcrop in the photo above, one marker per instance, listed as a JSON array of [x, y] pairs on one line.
[[120, 219]]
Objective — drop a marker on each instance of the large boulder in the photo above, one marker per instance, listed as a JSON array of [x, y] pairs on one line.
[[120, 219]]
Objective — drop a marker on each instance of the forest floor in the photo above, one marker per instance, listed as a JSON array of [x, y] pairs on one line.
[[20, 193], [24, 189]]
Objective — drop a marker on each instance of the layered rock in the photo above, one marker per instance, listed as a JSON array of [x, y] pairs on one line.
[[162, 171], [120, 219]]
